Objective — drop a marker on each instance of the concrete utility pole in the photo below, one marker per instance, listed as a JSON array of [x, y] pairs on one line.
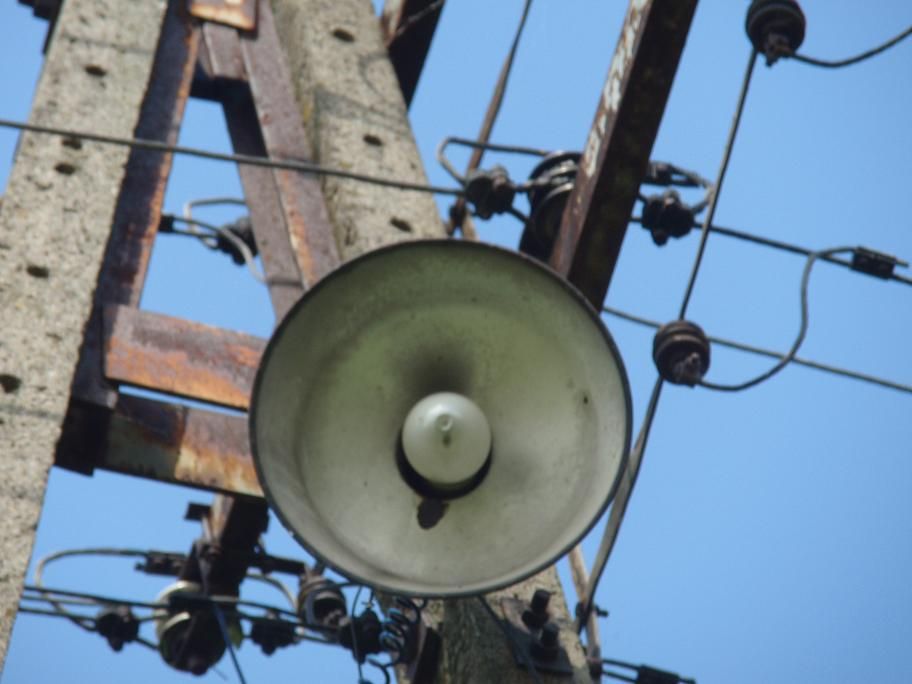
[[355, 111], [54, 225], [79, 218]]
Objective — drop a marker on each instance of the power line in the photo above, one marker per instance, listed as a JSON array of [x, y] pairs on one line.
[[802, 330], [720, 178], [769, 353], [848, 61], [250, 160], [792, 249], [632, 467]]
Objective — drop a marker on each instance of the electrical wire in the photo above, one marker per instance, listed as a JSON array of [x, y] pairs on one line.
[[867, 54], [273, 582], [799, 339], [632, 468], [210, 201], [478, 145], [508, 635], [720, 178], [457, 211], [78, 620], [619, 507], [249, 160], [220, 618], [236, 242], [790, 248], [770, 353], [355, 650]]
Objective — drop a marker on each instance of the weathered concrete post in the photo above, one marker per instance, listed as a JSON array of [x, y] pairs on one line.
[[352, 104], [54, 226]]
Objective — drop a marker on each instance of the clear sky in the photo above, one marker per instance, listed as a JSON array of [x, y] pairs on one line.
[[768, 539]]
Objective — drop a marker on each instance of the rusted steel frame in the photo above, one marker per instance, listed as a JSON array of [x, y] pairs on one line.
[[240, 14], [180, 357], [139, 206], [408, 28], [220, 559], [301, 195], [222, 53], [164, 442], [617, 151]]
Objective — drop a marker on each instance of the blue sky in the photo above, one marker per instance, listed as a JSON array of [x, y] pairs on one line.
[[768, 538]]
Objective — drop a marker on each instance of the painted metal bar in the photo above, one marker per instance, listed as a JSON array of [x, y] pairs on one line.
[[617, 150], [180, 357]]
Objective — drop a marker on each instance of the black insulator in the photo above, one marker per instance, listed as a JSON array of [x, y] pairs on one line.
[[242, 229], [680, 350], [361, 634], [556, 173], [775, 28], [118, 625], [321, 602], [490, 192], [666, 216], [272, 633]]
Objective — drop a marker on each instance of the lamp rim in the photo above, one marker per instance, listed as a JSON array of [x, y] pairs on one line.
[[417, 246]]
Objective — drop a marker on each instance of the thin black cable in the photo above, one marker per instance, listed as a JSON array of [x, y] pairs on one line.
[[527, 661], [250, 160], [720, 178], [500, 89], [769, 353], [799, 339], [632, 468], [789, 247], [848, 61], [220, 618], [619, 506]]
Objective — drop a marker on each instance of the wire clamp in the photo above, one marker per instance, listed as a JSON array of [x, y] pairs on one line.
[[877, 264]]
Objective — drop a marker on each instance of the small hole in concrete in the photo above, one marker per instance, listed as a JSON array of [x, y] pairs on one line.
[[37, 271], [343, 35], [9, 383], [95, 70], [65, 168], [373, 140], [72, 143], [404, 226]]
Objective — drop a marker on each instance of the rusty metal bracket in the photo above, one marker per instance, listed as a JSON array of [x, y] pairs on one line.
[[617, 150], [240, 14], [540, 646]]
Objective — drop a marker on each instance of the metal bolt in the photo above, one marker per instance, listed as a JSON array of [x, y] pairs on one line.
[[537, 613]]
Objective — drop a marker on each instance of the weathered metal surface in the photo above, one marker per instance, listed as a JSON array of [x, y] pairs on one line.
[[408, 28], [284, 136], [241, 14], [57, 211], [180, 357], [224, 61], [141, 196], [617, 151], [171, 443]]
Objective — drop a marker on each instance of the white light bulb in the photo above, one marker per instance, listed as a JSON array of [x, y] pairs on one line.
[[446, 439]]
